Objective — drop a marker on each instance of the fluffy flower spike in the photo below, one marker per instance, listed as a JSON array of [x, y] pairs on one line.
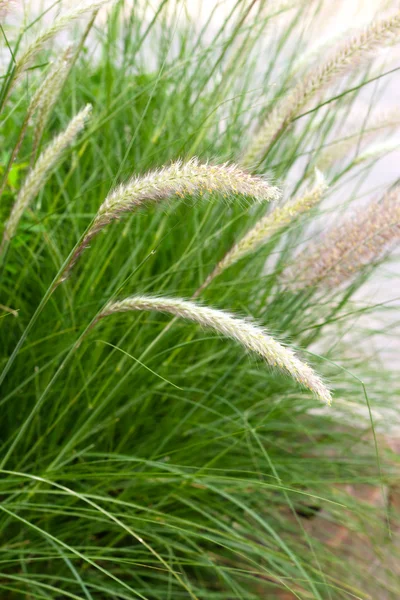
[[344, 58], [41, 171], [341, 253], [249, 335], [267, 226], [182, 179]]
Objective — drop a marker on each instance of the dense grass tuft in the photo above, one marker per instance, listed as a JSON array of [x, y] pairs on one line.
[[145, 457]]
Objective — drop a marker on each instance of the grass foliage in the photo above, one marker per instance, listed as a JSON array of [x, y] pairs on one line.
[[145, 457]]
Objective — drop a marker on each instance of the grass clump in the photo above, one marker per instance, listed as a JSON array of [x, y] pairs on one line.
[[144, 457]]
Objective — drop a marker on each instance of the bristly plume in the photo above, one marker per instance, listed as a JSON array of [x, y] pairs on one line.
[[45, 89], [340, 254], [191, 178], [24, 61], [41, 171], [267, 226], [249, 335], [48, 88], [346, 56], [48, 93]]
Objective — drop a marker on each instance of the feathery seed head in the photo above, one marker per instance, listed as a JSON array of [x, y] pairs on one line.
[[249, 335], [344, 58], [340, 254], [267, 226], [41, 171], [51, 84], [48, 93], [191, 178], [24, 61]]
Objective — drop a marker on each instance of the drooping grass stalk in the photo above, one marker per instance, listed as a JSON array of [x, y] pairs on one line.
[[179, 178], [343, 59], [249, 335], [111, 517], [267, 226], [40, 173], [342, 253], [191, 178]]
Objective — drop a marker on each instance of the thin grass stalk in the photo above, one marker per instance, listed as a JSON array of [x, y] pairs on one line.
[[39, 309], [25, 59], [344, 59], [8, 77], [112, 518], [376, 151], [249, 335], [64, 362], [371, 154], [233, 66], [191, 178], [266, 227], [9, 310]]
